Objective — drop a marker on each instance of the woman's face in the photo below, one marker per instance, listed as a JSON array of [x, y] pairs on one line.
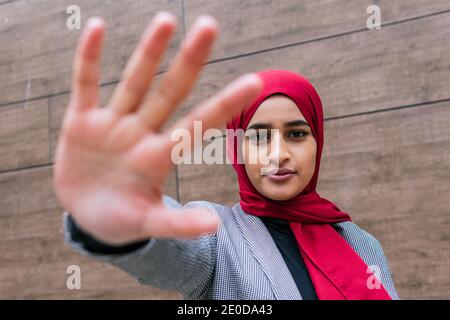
[[296, 148]]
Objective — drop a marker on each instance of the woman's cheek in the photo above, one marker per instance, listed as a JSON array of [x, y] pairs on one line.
[[308, 162], [256, 173]]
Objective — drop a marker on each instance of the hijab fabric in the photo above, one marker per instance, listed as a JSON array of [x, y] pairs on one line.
[[336, 270]]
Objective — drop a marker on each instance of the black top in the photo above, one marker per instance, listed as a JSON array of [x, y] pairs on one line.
[[287, 244], [279, 229]]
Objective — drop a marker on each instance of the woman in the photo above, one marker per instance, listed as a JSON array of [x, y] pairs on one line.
[[281, 241]]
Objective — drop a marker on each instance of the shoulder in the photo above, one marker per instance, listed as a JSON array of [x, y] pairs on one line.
[[363, 242], [354, 233], [208, 205], [231, 218], [223, 211], [370, 250], [197, 204]]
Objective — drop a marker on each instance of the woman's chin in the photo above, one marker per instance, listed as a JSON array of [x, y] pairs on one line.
[[279, 193]]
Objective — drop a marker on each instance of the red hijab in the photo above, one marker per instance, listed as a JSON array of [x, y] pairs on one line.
[[336, 270]]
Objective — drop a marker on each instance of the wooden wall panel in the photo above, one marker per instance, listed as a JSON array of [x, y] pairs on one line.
[[254, 25], [24, 135], [399, 65], [195, 180], [34, 258], [391, 172], [39, 60]]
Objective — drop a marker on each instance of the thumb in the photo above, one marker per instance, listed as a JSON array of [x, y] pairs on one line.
[[186, 223]]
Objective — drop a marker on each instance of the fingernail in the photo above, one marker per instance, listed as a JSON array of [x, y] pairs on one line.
[[205, 20], [248, 78], [165, 16], [94, 21]]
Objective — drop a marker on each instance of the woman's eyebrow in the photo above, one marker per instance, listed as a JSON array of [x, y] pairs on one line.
[[260, 126], [293, 123]]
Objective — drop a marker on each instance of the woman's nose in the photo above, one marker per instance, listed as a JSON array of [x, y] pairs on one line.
[[279, 152]]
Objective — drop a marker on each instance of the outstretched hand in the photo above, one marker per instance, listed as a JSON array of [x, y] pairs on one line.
[[111, 163]]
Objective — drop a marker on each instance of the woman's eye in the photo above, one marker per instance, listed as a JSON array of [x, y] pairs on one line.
[[298, 133]]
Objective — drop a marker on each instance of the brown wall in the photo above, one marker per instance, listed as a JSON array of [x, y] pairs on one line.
[[386, 96]]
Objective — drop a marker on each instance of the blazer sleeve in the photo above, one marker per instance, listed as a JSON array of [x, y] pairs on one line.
[[184, 265], [386, 276]]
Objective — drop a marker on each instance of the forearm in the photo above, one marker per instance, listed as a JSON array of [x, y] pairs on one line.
[[172, 264]]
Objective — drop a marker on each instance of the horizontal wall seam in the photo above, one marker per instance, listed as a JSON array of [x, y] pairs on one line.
[[300, 43]]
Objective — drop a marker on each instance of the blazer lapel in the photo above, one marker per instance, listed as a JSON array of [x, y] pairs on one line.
[[267, 254]]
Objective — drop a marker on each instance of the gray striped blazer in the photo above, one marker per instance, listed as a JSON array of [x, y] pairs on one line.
[[239, 261]]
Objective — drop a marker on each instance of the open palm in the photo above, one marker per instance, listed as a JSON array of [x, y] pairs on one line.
[[111, 163]]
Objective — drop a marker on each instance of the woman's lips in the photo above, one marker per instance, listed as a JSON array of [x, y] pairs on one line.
[[282, 176]]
